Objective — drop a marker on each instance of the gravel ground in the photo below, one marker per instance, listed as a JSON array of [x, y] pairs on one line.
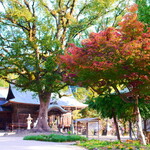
[[14, 141], [17, 143]]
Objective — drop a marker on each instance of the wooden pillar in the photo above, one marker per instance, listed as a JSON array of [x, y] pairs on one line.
[[76, 124], [98, 129], [77, 127], [87, 130], [145, 125], [18, 119]]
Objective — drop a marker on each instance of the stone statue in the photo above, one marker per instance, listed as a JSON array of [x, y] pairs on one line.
[[29, 122]]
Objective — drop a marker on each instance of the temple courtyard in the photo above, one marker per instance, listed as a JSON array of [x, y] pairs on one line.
[[17, 143]]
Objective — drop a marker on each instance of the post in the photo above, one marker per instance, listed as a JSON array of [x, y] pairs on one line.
[[77, 127], [145, 125], [98, 129], [87, 130]]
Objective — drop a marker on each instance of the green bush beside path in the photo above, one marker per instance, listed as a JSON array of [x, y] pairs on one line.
[[55, 138]]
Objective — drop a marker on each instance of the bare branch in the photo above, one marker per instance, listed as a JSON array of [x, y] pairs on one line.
[[5, 50], [19, 3], [67, 5], [18, 24], [33, 9], [27, 4], [59, 3], [50, 11], [72, 7], [84, 6], [116, 15], [6, 39]]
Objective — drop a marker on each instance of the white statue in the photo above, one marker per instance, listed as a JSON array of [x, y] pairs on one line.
[[29, 121]]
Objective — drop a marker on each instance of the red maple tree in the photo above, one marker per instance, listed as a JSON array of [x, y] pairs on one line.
[[112, 58]]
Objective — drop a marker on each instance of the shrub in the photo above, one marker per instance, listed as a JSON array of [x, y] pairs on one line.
[[55, 138]]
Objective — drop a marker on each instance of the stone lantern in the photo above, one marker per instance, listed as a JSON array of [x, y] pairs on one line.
[[29, 121]]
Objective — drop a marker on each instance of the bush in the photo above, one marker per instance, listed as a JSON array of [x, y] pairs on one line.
[[116, 145], [55, 138]]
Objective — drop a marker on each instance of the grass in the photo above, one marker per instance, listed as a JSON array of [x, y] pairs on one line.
[[55, 138], [90, 144], [116, 145]]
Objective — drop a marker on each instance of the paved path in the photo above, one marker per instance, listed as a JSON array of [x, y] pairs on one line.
[[17, 143]]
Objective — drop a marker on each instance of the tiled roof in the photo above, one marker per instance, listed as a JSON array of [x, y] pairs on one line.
[[28, 97]]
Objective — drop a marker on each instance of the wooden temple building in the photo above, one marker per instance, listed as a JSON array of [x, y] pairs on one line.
[[15, 107]]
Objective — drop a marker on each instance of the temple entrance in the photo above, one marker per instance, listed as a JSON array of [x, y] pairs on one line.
[[5, 120], [58, 118]]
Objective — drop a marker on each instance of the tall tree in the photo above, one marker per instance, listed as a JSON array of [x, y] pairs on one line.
[[111, 58], [33, 33]]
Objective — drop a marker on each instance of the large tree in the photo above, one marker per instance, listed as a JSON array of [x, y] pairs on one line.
[[112, 58], [33, 33]]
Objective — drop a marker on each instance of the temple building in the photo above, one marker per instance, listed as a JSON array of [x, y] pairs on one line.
[[16, 105]]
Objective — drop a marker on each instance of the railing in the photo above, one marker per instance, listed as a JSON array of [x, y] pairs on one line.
[[13, 126]]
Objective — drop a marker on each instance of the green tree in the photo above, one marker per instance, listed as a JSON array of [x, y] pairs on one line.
[[112, 106], [32, 35], [143, 11]]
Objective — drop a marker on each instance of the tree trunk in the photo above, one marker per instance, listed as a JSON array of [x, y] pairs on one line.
[[117, 128], [130, 130], [139, 124], [42, 124]]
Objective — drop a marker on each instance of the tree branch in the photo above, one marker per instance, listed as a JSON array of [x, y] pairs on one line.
[[119, 94], [27, 4]]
